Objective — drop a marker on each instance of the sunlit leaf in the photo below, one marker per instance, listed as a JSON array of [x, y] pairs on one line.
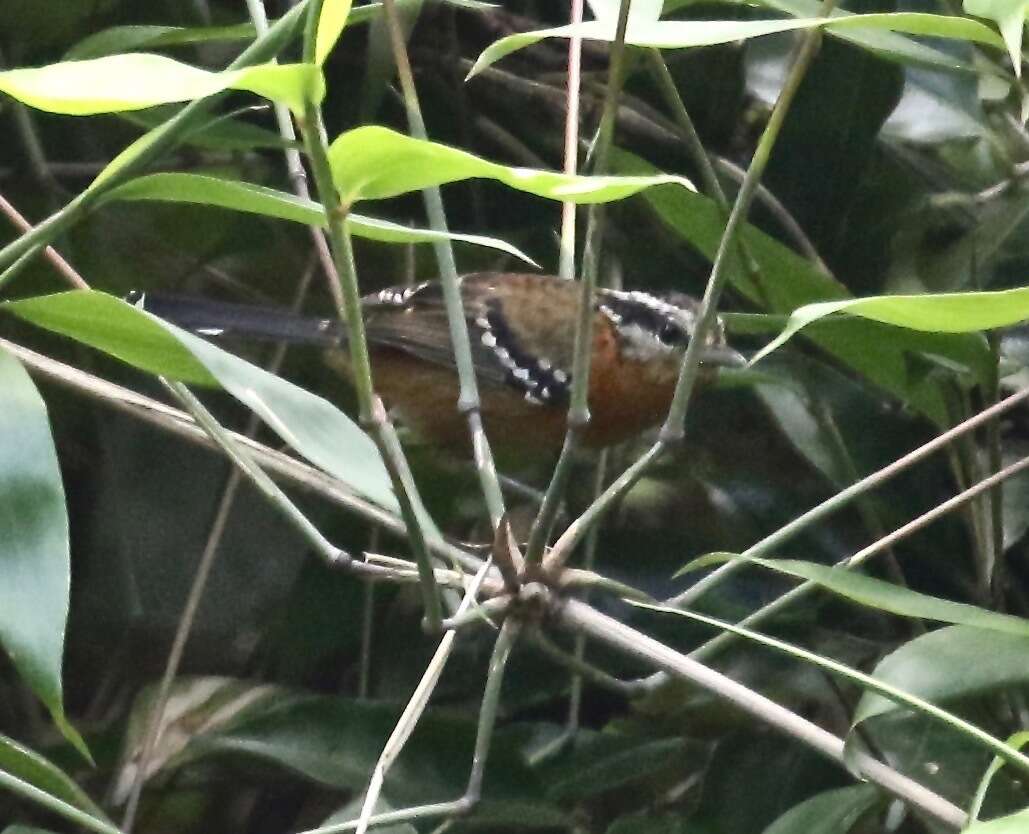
[[935, 313], [316, 429], [680, 34], [257, 199], [133, 81], [1009, 15], [35, 569], [1016, 823], [372, 162], [330, 25]]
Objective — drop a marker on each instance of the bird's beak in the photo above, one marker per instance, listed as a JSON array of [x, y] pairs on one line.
[[722, 356]]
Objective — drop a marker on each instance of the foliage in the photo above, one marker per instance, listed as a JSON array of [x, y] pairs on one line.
[[871, 280]]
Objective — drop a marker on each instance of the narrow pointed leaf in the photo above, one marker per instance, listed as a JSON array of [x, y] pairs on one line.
[[1009, 15], [257, 199], [966, 312], [372, 163], [875, 593], [331, 21], [311, 425], [680, 34], [132, 81], [35, 568]]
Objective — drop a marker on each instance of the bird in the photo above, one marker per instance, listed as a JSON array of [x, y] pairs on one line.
[[522, 332]]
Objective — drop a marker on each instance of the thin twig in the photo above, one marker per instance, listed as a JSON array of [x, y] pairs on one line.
[[579, 617], [718, 643], [69, 273], [578, 408], [372, 411], [181, 424], [673, 429], [844, 497], [468, 399]]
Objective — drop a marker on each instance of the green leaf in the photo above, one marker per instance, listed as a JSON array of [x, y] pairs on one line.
[[372, 163], [132, 38], [875, 593], [878, 352], [132, 81], [1009, 15], [1016, 823], [947, 664], [35, 569], [1018, 741], [932, 312], [330, 25], [36, 770], [257, 199], [831, 812], [315, 428], [886, 44], [680, 34]]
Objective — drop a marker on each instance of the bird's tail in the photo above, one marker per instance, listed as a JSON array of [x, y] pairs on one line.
[[246, 321]]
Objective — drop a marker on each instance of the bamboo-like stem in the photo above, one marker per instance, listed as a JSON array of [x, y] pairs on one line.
[[712, 187], [578, 408], [416, 705], [34, 794], [158, 141], [999, 748], [844, 497], [673, 428], [579, 617], [806, 588], [468, 398], [372, 412], [179, 423], [490, 704]]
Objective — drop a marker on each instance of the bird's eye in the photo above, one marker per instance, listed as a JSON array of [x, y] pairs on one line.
[[670, 334]]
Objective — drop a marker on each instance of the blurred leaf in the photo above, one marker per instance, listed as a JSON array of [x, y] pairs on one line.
[[352, 811], [221, 132], [372, 162], [195, 706], [877, 351], [832, 812], [949, 663], [257, 199], [35, 570], [937, 106], [932, 312], [331, 21], [649, 822], [1009, 15], [605, 772], [680, 34], [315, 428], [889, 45], [133, 38], [1018, 741], [875, 593], [1017, 823], [131, 82], [27, 829], [31, 767]]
